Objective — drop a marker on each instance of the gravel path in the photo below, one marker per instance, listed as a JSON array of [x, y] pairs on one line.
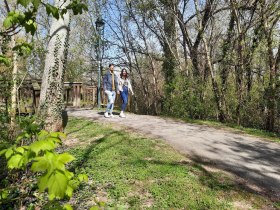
[[255, 161]]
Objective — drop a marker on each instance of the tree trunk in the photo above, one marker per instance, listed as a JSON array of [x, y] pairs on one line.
[[215, 87], [169, 46], [271, 90], [273, 61], [239, 68], [14, 88], [51, 98]]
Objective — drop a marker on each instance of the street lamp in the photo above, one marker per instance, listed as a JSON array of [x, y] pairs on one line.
[[99, 23]]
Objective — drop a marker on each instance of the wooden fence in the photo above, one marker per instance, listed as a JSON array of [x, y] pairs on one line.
[[76, 94]]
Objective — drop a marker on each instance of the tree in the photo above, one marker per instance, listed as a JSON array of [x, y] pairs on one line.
[[51, 96], [269, 23]]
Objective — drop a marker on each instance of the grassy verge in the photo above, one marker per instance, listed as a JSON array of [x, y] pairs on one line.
[[128, 171]]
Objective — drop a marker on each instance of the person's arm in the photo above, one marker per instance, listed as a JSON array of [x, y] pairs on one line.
[[120, 84], [116, 82], [105, 80]]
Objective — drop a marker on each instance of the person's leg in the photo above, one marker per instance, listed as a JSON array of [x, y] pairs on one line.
[[112, 102], [109, 104], [126, 97], [125, 100]]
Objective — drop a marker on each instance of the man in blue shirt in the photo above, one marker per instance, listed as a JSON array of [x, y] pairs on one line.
[[110, 85]]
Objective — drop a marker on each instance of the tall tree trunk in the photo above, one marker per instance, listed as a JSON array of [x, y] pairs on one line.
[[51, 98], [220, 105], [273, 61], [14, 88], [169, 44], [14, 81], [239, 68], [271, 90], [225, 55], [169, 48]]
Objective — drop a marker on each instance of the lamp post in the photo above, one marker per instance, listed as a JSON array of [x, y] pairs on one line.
[[99, 23]]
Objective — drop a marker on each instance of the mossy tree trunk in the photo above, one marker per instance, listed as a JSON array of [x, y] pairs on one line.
[[51, 99]]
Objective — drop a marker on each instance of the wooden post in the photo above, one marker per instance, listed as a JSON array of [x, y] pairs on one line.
[[93, 96], [74, 95], [78, 95]]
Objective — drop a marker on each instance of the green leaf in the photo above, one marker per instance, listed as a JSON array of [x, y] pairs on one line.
[[67, 207], [68, 174], [23, 49], [54, 140], [27, 156], [65, 158], [29, 22], [4, 194], [20, 136], [74, 183], [69, 191], [63, 11], [24, 2], [20, 17], [82, 177], [16, 161], [57, 185], [8, 22], [9, 153], [52, 10], [43, 182], [102, 204], [58, 135], [34, 29], [58, 165], [26, 135], [42, 145], [20, 150], [36, 3], [30, 26], [40, 164], [43, 134], [5, 60], [2, 152]]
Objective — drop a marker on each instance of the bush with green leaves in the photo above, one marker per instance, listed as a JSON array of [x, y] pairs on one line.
[[37, 173]]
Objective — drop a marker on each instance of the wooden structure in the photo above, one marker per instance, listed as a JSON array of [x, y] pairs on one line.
[[76, 94]]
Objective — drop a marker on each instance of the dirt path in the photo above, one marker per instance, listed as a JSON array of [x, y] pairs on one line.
[[255, 161]]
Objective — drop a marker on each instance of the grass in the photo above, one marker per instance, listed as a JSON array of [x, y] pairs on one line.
[[128, 171]]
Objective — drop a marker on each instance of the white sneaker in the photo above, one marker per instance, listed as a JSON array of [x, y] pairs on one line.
[[122, 115], [106, 115], [111, 115]]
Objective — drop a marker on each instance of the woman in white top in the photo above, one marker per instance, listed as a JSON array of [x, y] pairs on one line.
[[124, 87]]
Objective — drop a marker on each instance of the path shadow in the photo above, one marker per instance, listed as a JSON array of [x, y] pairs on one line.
[[86, 154], [205, 177], [102, 113], [78, 129], [64, 119], [263, 178]]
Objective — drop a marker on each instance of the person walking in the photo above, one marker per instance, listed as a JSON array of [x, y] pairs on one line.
[[110, 85], [124, 87]]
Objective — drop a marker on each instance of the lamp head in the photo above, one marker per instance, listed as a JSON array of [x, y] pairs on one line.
[[99, 23]]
